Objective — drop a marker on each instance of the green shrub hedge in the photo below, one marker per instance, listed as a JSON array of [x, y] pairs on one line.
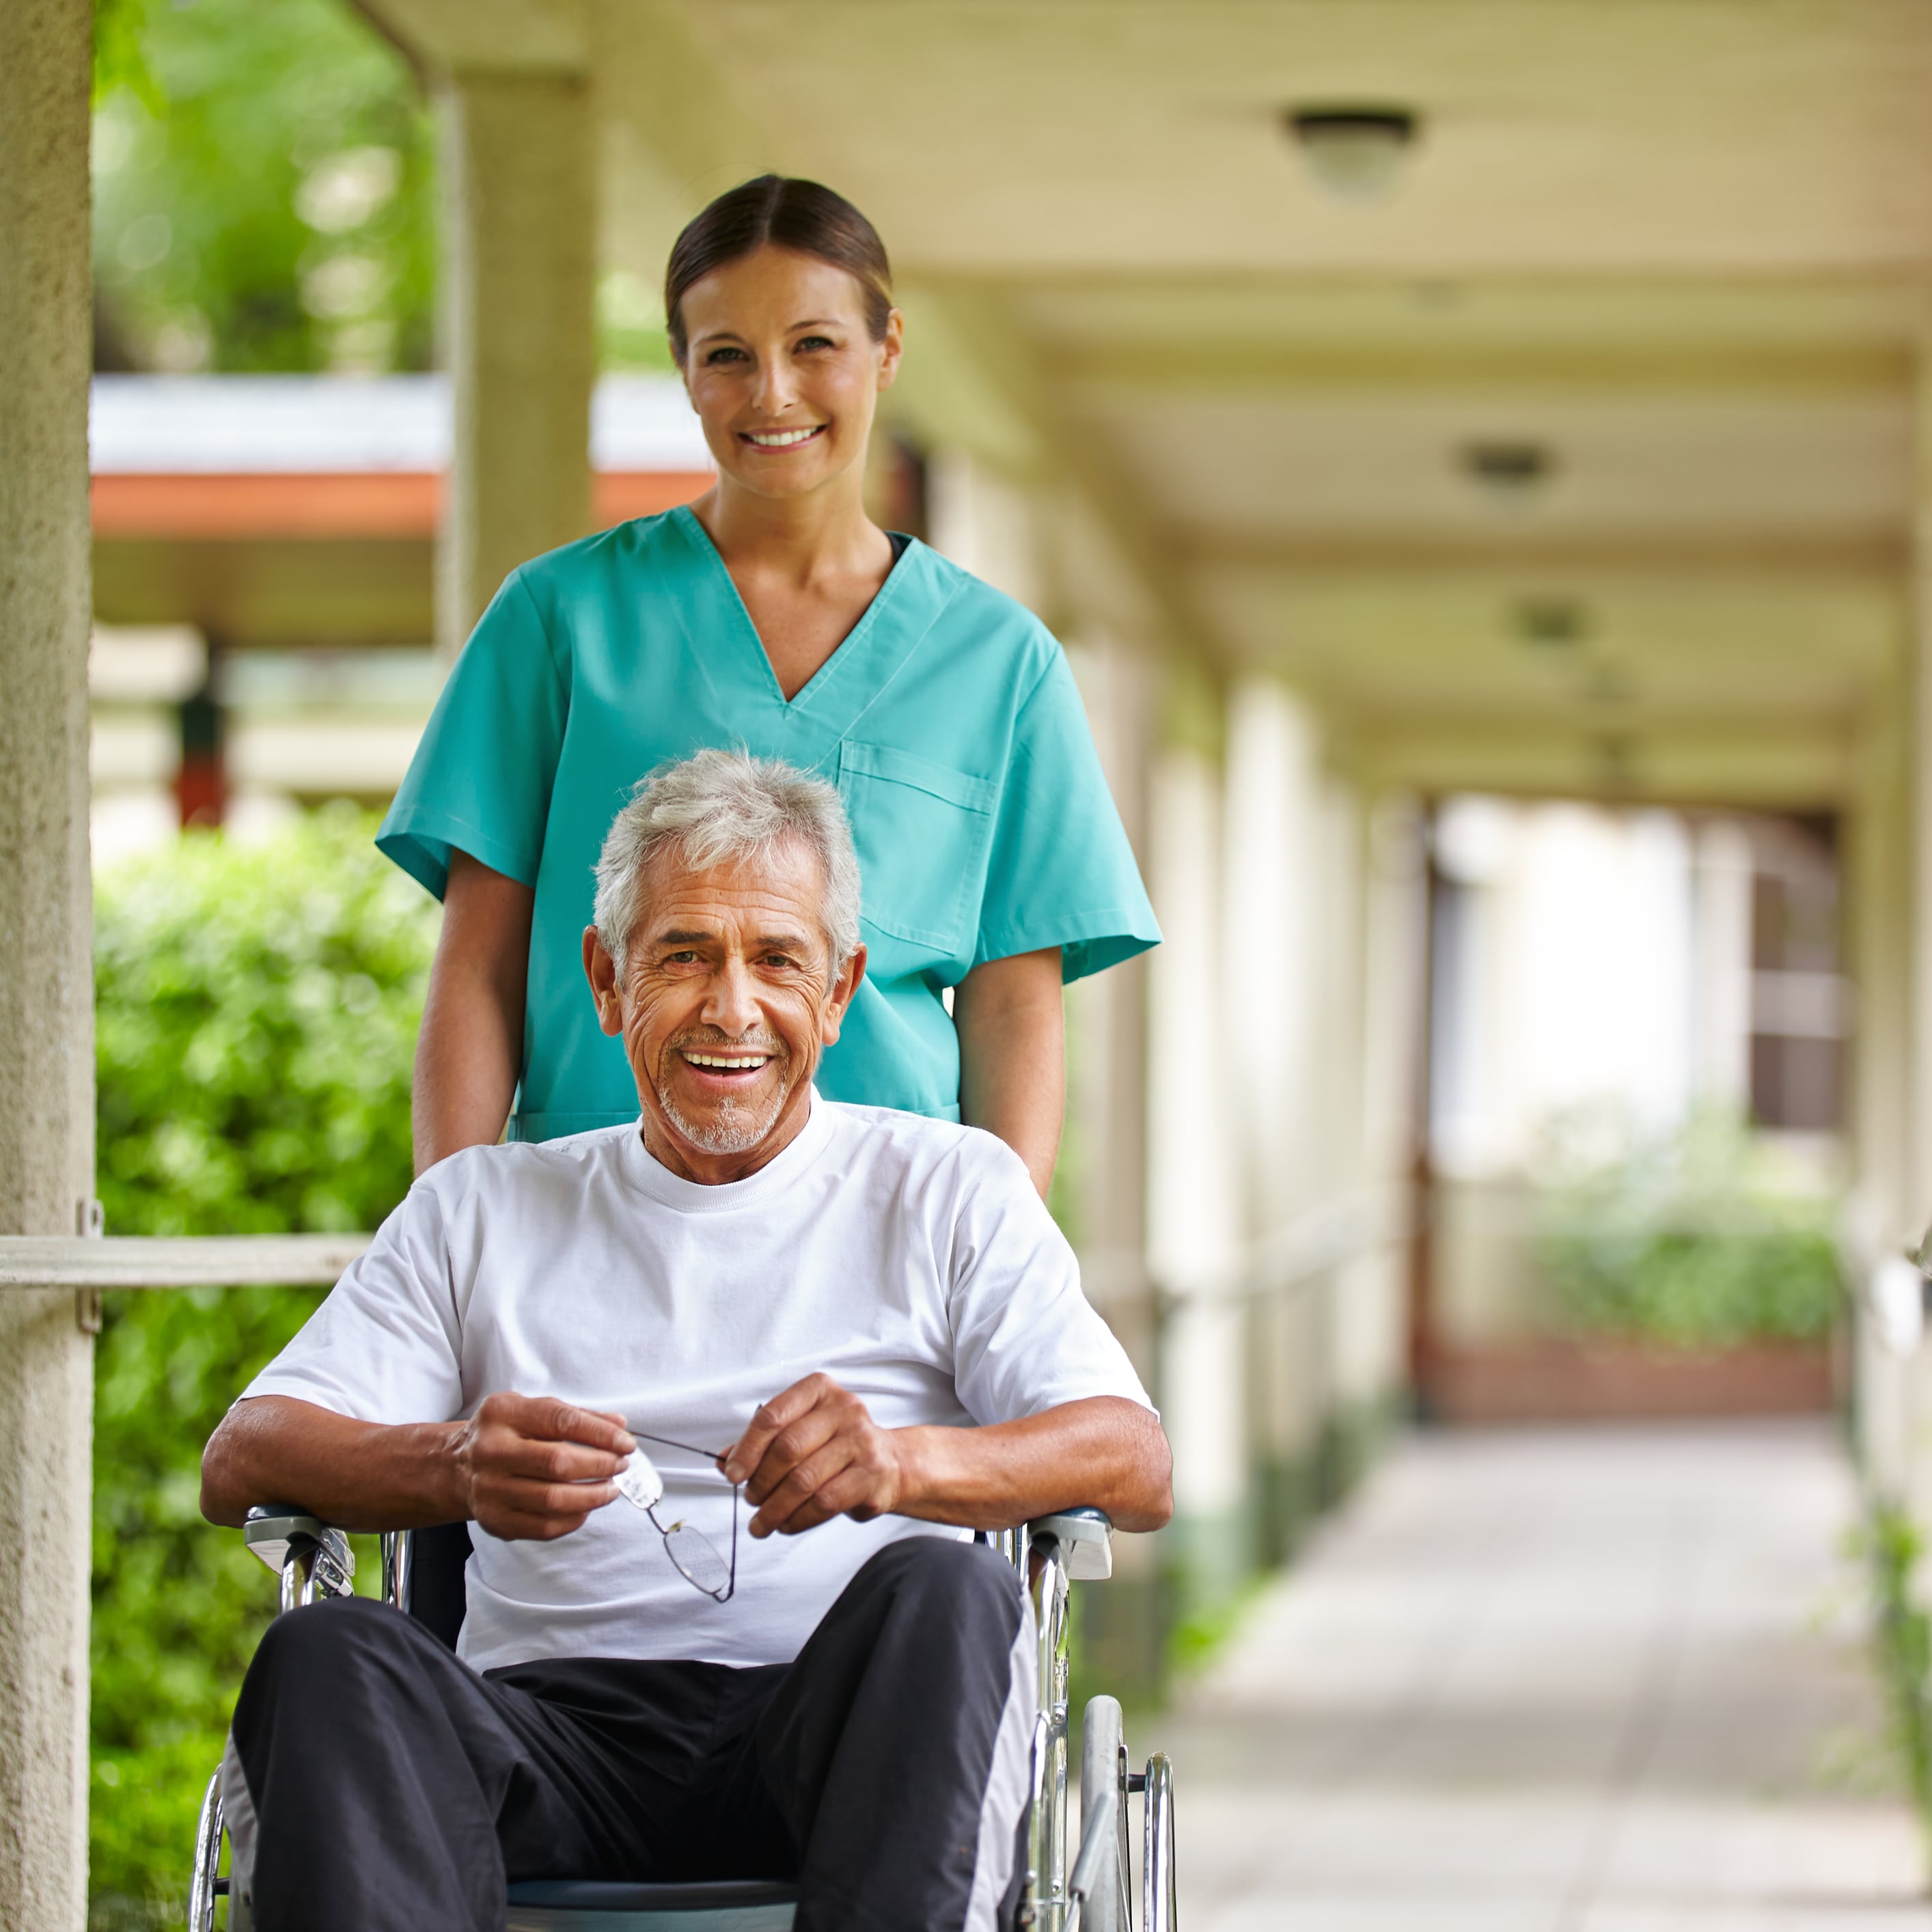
[[256, 1012], [1689, 1242]]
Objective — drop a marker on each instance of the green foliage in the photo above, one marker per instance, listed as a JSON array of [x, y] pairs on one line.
[[1690, 1242], [256, 1013], [630, 326], [263, 189], [1892, 1547]]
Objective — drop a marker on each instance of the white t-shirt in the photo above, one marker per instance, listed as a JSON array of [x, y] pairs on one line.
[[908, 1259]]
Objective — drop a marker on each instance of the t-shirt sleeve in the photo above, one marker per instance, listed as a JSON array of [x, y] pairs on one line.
[[385, 1345], [1024, 1338], [1061, 872], [480, 781]]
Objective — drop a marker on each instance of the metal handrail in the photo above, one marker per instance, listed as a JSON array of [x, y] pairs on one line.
[[166, 1261]]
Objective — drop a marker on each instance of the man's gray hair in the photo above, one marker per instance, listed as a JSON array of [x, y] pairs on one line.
[[718, 807]]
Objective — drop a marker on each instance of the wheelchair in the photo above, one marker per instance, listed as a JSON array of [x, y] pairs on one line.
[[423, 1577]]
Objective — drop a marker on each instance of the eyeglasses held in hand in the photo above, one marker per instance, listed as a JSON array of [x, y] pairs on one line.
[[693, 1555]]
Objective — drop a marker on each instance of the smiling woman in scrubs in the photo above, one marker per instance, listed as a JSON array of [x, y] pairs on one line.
[[774, 614]]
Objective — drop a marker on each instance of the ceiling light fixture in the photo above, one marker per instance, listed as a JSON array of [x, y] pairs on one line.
[[1550, 621], [1357, 152], [1509, 471]]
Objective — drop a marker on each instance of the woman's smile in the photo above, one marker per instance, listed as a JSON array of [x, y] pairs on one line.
[[780, 438]]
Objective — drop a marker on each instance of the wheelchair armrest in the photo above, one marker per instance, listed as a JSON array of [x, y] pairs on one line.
[[1086, 1539], [272, 1530]]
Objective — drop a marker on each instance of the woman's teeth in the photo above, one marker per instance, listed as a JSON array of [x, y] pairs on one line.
[[781, 438]]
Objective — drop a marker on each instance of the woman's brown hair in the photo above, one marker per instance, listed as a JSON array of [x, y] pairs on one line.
[[778, 211]]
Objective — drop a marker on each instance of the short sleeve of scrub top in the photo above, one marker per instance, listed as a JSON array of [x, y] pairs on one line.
[[948, 719]]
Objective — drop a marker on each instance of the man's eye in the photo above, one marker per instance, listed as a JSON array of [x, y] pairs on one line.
[[778, 959], [680, 958]]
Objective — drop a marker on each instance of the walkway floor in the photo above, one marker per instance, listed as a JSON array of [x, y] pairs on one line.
[[1589, 1680]]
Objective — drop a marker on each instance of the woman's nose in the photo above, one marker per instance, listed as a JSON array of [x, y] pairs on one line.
[[776, 390]]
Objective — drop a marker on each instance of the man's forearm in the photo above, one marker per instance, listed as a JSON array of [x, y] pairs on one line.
[[359, 1475], [1105, 1453]]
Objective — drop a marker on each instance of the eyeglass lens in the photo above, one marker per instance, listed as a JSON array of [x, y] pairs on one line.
[[697, 1558]]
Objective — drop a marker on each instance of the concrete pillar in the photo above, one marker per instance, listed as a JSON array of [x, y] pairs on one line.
[[1105, 1148], [1902, 1412], [1916, 1203], [1195, 1231], [1878, 926], [46, 1030], [520, 264]]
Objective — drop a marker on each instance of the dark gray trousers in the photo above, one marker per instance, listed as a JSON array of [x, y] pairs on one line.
[[373, 1781]]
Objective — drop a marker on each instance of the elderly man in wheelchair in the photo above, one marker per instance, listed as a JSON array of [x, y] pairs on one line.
[[855, 1329]]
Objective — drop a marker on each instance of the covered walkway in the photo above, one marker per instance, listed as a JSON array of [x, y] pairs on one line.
[[1584, 1680]]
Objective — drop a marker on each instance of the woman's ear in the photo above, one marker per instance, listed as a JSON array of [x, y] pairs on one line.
[[601, 970], [893, 347]]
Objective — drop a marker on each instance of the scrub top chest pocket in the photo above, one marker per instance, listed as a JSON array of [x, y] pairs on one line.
[[923, 831]]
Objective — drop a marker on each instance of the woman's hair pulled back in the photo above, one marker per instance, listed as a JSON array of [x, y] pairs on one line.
[[779, 212]]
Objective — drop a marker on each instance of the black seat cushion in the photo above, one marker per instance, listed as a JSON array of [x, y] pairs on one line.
[[585, 1895]]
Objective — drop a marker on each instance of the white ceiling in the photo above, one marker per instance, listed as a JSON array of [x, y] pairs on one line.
[[1682, 244]]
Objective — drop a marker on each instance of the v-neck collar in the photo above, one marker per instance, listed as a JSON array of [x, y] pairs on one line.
[[888, 629]]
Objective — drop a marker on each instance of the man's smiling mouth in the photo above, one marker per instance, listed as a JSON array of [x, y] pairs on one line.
[[725, 1063]]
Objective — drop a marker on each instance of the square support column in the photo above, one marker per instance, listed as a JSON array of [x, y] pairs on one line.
[[46, 1004], [519, 263]]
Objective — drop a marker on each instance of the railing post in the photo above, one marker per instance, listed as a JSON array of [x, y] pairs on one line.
[[46, 1030]]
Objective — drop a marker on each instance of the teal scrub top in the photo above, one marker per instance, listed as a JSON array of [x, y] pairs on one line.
[[948, 718]]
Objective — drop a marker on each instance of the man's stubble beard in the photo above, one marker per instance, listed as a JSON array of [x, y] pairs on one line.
[[734, 1128]]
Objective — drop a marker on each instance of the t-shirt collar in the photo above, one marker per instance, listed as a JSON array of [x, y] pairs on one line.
[[642, 1169]]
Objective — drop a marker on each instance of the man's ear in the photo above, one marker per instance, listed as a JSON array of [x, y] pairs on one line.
[[832, 1017], [601, 970]]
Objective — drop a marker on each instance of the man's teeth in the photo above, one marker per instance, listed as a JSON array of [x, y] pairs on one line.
[[730, 1062], [783, 439]]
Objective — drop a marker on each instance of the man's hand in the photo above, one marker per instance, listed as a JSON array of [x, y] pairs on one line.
[[535, 1468], [814, 1453]]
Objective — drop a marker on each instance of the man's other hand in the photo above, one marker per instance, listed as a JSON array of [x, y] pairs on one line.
[[814, 1453], [535, 1468]]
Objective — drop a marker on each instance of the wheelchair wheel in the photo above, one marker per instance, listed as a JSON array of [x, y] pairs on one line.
[[1103, 1784]]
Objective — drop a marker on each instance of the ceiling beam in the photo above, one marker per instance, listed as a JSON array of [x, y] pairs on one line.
[[1879, 555], [1795, 768], [485, 36], [984, 323], [1205, 365]]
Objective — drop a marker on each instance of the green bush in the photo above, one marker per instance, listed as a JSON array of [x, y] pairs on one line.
[[1689, 1242], [256, 1012]]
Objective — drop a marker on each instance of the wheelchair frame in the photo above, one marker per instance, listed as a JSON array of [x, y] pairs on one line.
[[313, 1560]]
